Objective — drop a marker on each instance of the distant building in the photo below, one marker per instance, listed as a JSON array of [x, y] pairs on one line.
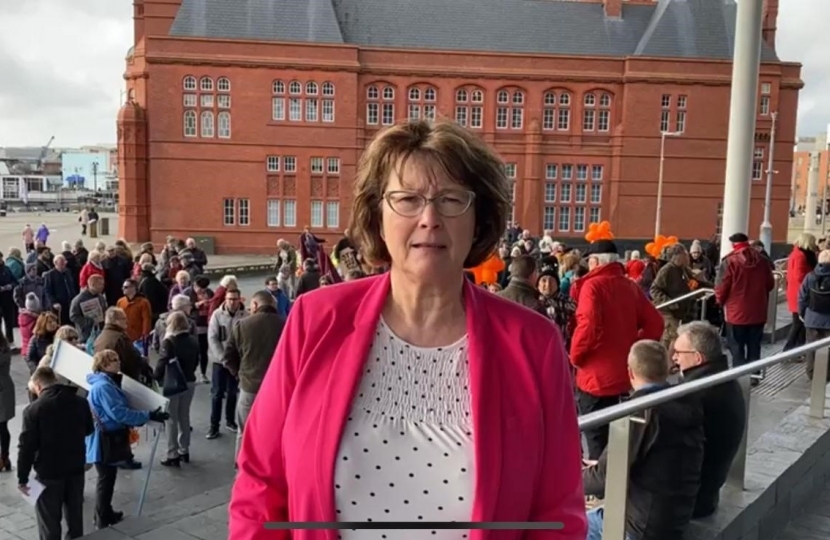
[[86, 169], [801, 167], [260, 110]]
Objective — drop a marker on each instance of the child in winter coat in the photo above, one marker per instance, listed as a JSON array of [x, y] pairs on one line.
[[27, 318]]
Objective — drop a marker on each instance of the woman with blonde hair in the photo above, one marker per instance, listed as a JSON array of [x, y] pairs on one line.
[[414, 394], [182, 282], [180, 352], [801, 261]]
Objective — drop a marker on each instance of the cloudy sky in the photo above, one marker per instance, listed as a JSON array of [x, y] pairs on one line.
[[61, 66]]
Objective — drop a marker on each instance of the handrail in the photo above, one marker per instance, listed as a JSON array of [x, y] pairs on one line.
[[620, 419], [696, 292], [615, 412]]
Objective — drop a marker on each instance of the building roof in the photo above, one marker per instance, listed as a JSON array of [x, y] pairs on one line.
[[667, 28]]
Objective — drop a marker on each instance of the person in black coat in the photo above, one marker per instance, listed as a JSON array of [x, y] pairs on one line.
[[666, 456], [154, 290], [53, 442], [59, 288], [699, 354]]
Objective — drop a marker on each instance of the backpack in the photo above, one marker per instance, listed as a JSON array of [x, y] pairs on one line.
[[819, 299]]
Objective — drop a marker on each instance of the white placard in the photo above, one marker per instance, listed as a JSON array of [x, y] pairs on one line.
[[35, 491], [75, 364]]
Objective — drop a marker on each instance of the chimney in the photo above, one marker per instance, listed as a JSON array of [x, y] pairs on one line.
[[770, 21], [613, 8]]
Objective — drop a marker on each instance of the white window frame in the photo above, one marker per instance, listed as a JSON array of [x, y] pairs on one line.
[[278, 108], [206, 84], [206, 100], [316, 217], [597, 177], [189, 83], [579, 219], [228, 212], [582, 172], [190, 124], [333, 165], [328, 110], [594, 214], [567, 171], [549, 218], [551, 171], [278, 88], [223, 101], [311, 110], [510, 170], [565, 192], [189, 100], [332, 214], [207, 124], [550, 192], [295, 109], [328, 89], [272, 163], [289, 213], [223, 125], [289, 164], [596, 194], [223, 84], [244, 210], [564, 211], [272, 212], [316, 165]]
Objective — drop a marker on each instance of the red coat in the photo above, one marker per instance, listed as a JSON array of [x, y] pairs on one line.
[[744, 287], [89, 269], [797, 269], [526, 440], [612, 313]]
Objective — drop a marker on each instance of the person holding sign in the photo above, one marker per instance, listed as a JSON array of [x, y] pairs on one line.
[[109, 444]]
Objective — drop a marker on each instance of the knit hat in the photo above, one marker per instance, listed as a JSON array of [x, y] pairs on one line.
[[696, 247], [602, 247], [553, 274], [32, 303]]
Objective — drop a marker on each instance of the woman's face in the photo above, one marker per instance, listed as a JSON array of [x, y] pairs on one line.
[[548, 286], [427, 247], [182, 281], [113, 367], [51, 325]]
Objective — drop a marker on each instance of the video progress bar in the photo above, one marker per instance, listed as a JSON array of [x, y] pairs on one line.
[[418, 525]]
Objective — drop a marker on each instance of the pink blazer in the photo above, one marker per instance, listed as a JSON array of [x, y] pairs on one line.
[[526, 439]]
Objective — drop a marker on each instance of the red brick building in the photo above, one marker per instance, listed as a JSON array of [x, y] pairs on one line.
[[246, 118]]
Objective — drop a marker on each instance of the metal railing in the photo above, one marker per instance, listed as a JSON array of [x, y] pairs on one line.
[[620, 417], [703, 293]]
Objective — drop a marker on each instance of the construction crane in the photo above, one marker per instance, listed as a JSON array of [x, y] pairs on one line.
[[43, 152]]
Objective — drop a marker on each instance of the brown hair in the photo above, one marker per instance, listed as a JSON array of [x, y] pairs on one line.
[[40, 325], [457, 152]]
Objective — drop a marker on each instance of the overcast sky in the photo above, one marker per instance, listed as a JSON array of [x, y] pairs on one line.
[[62, 61]]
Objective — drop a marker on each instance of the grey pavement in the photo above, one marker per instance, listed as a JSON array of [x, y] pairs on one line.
[[191, 502]]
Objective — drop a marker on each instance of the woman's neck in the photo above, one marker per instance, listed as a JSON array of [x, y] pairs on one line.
[[425, 315]]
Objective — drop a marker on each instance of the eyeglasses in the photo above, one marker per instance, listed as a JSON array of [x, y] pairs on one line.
[[684, 352], [452, 203]]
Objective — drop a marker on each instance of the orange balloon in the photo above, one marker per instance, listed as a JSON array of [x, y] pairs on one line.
[[592, 236]]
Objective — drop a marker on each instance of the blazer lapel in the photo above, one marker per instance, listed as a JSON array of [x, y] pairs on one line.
[[344, 376], [486, 401]]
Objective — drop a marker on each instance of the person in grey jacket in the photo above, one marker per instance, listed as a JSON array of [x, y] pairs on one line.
[[222, 382], [814, 305], [179, 302], [87, 309]]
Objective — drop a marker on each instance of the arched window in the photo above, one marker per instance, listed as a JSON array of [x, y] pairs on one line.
[[604, 113], [223, 84], [421, 103], [557, 111], [510, 109], [295, 104], [190, 124], [295, 88], [468, 107], [207, 124], [189, 83], [589, 113], [311, 102], [224, 125], [206, 84], [278, 100], [328, 102], [380, 105]]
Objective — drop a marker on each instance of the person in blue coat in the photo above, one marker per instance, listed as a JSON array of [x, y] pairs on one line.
[[111, 413]]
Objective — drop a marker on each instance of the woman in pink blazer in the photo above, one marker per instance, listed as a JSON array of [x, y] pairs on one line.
[[415, 396]]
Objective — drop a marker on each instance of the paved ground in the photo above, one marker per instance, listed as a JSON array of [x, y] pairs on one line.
[[813, 523], [195, 488], [64, 227], [192, 502]]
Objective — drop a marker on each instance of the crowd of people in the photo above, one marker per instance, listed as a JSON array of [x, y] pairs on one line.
[[414, 391]]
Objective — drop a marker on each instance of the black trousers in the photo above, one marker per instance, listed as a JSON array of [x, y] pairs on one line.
[[104, 490], [798, 334], [745, 342], [8, 314], [596, 438], [62, 498], [203, 353], [222, 385]]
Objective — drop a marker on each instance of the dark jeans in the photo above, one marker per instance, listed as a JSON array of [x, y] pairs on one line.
[[745, 342], [597, 438], [5, 440], [222, 384], [104, 489], [815, 334], [203, 353], [62, 498], [798, 334]]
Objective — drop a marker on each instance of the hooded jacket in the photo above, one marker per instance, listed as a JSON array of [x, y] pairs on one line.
[[110, 411], [743, 285]]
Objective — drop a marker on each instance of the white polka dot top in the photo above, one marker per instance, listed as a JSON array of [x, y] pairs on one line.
[[407, 448]]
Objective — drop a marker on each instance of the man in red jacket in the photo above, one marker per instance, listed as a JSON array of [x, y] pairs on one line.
[[742, 287], [612, 313]]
